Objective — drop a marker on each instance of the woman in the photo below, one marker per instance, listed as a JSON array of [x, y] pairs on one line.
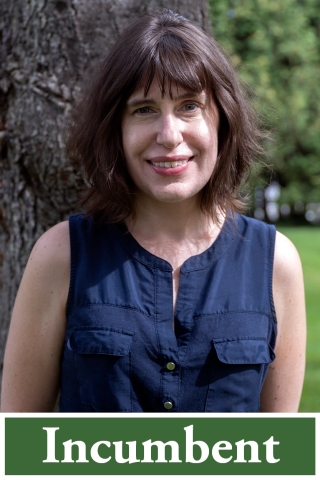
[[162, 297]]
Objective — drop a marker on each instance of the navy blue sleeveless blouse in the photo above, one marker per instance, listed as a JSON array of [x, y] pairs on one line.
[[121, 353]]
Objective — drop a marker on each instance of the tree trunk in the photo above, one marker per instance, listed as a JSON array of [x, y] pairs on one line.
[[48, 49]]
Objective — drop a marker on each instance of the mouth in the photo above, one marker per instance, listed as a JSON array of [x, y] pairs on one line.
[[170, 164]]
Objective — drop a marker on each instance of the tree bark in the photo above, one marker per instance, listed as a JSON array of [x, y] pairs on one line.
[[48, 49]]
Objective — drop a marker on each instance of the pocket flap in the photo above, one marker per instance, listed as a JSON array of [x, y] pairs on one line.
[[244, 351], [100, 341]]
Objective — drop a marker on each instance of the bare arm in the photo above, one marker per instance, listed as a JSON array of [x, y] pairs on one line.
[[33, 352], [282, 389]]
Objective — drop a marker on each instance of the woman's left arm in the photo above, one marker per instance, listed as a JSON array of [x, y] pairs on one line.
[[283, 386]]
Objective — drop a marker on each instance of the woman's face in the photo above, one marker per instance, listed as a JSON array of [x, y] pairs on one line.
[[170, 144]]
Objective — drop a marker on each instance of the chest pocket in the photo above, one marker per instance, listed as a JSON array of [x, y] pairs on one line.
[[238, 371], [102, 362]]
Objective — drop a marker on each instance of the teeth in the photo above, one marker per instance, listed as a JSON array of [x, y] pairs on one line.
[[169, 164]]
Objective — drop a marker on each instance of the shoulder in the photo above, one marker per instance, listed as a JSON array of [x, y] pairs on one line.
[[248, 224], [286, 257], [49, 262], [53, 247], [56, 235], [43, 291], [287, 264], [260, 235], [288, 287]]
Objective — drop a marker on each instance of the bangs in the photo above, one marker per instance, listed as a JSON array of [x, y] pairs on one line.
[[171, 63]]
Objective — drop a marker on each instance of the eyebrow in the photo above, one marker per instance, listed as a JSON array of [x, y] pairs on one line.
[[151, 101]]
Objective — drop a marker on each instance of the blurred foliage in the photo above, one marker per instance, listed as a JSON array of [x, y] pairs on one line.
[[275, 46]]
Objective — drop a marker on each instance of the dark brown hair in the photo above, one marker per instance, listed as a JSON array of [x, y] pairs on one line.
[[169, 48]]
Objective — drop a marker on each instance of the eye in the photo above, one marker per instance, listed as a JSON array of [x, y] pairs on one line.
[[190, 107], [143, 110]]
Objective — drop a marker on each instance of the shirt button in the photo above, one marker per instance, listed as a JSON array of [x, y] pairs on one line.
[[168, 405], [171, 366]]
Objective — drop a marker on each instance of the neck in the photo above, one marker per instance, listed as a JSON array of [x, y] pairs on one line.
[[175, 221]]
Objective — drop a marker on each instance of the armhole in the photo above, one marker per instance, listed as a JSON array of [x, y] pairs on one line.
[[272, 241], [73, 261]]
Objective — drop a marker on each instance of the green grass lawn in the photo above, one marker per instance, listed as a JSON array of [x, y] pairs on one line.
[[307, 242]]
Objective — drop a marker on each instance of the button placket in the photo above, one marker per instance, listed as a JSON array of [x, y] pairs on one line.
[[170, 381]]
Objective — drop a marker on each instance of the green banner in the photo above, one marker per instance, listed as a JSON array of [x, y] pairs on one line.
[[159, 446]]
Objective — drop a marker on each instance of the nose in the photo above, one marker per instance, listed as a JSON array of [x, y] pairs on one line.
[[169, 131]]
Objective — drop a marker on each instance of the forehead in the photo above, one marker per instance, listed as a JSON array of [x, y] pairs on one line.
[[174, 91]]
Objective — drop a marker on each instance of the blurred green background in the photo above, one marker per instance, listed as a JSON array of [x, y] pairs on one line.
[[275, 46]]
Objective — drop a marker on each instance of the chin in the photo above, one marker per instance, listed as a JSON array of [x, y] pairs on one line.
[[174, 197]]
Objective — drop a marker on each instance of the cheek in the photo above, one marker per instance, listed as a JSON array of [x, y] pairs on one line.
[[133, 141], [206, 140], [128, 138]]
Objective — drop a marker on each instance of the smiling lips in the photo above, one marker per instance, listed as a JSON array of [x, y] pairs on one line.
[[175, 162]]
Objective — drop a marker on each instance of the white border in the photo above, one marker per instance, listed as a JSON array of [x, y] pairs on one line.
[[159, 477]]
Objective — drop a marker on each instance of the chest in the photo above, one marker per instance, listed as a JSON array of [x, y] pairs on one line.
[[176, 255], [215, 359], [121, 353]]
